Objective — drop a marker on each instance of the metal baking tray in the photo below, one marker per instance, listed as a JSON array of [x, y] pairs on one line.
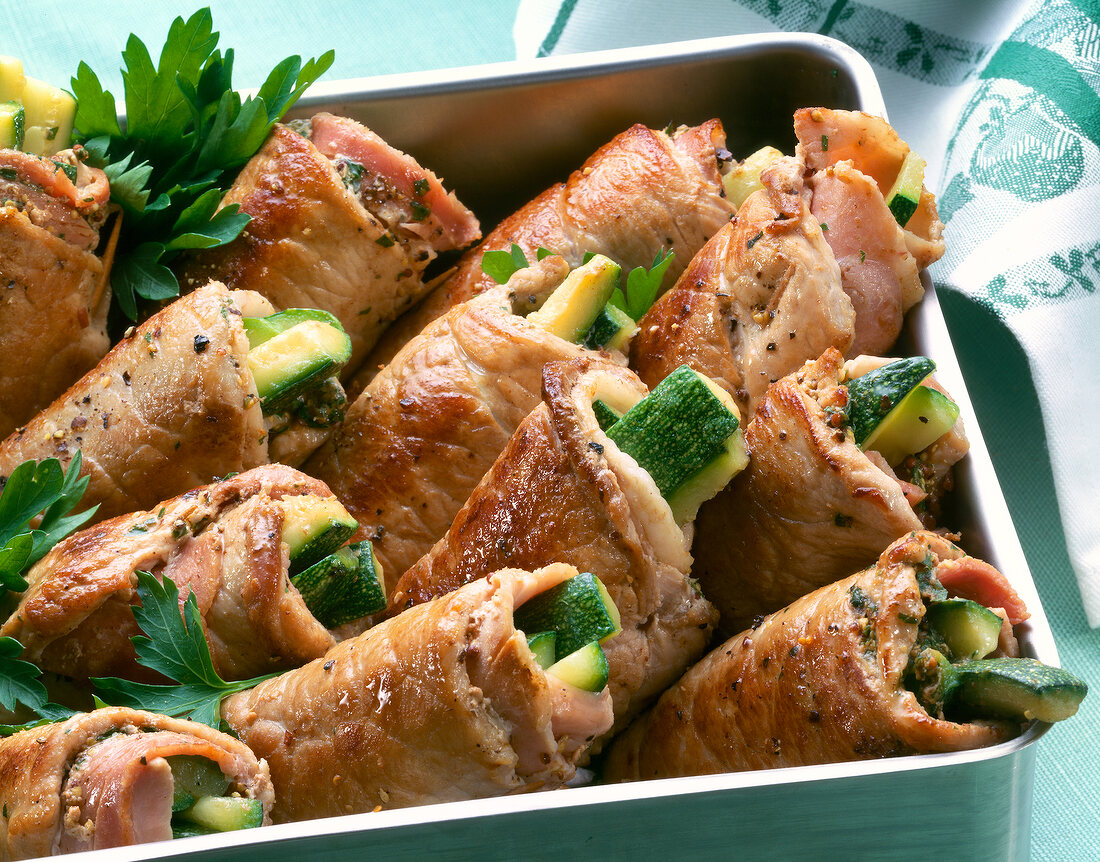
[[500, 134]]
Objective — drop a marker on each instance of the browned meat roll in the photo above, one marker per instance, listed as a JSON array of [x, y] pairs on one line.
[[441, 703], [341, 221], [429, 426], [821, 681], [853, 160], [224, 542], [53, 289], [811, 506], [106, 779], [758, 300], [641, 192], [172, 406], [563, 491]]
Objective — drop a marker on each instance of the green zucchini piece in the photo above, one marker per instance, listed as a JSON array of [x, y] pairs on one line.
[[573, 307], [543, 647], [12, 79], [1017, 688], [314, 527], [577, 611], [12, 125], [606, 416], [904, 196], [194, 777], [970, 630], [288, 363], [183, 829], [50, 112], [346, 585], [261, 329], [612, 330], [224, 813], [742, 180], [586, 668], [872, 396], [686, 435], [922, 417]]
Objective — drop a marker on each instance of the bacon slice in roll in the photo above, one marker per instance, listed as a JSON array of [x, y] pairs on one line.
[[812, 505], [428, 427], [760, 298], [643, 191], [853, 160], [563, 491], [341, 221], [108, 778], [441, 703], [53, 289], [821, 681], [225, 542]]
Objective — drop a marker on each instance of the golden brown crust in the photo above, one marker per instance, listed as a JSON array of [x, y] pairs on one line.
[[817, 682], [761, 297], [809, 508], [35, 762], [553, 495], [311, 244], [221, 542], [640, 192], [426, 707], [53, 316], [161, 413], [426, 430]]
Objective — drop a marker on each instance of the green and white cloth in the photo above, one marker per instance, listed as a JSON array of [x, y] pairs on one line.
[[1003, 100]]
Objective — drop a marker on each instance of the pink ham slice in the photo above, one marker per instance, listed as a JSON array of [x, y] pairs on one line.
[[974, 579], [339, 136], [123, 787]]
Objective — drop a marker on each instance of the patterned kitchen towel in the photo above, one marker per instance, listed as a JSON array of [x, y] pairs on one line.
[[1003, 100]]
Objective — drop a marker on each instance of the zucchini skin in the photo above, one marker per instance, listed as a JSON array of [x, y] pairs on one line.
[[876, 393]]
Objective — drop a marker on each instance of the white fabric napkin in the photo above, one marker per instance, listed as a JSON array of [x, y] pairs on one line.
[[1003, 100]]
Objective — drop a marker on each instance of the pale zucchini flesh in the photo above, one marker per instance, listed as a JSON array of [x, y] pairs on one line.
[[287, 363], [586, 668], [577, 611], [904, 196], [314, 527], [573, 307]]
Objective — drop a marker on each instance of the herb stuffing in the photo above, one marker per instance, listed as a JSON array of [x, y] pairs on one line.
[[187, 133]]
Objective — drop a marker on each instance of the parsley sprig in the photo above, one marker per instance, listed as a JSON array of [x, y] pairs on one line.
[[174, 645], [187, 133], [642, 286], [21, 683], [34, 489], [502, 265]]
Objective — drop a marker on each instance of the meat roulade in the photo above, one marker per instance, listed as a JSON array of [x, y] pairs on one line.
[[53, 309], [441, 703], [643, 191], [108, 779], [428, 427], [228, 542], [812, 505], [823, 680], [341, 221], [562, 490], [172, 406], [760, 298]]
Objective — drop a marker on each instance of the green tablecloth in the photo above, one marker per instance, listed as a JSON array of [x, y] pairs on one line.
[[385, 37]]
